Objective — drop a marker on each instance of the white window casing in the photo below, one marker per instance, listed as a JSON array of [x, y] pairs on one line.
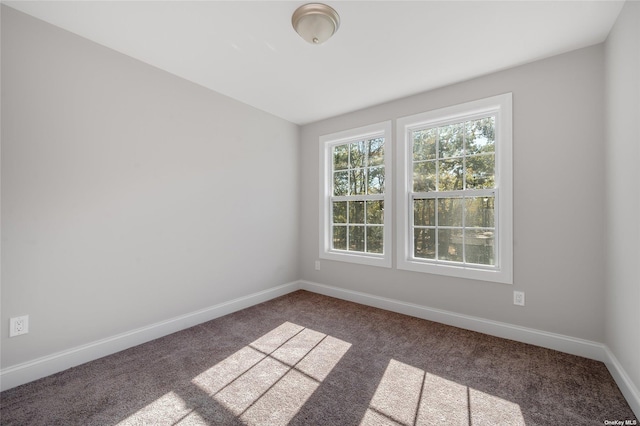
[[427, 166], [363, 193]]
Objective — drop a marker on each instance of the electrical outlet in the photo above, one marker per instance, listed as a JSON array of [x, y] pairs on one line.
[[518, 298], [317, 265], [18, 325]]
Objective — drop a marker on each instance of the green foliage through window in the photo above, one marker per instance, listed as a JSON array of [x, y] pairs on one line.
[[357, 196], [453, 213], [358, 168]]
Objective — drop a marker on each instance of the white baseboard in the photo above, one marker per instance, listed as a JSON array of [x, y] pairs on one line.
[[571, 345], [559, 342], [32, 370], [624, 382]]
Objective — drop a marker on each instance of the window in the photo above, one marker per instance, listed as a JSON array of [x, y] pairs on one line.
[[455, 202], [355, 189]]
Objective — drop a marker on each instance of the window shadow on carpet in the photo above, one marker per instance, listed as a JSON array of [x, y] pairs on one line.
[[268, 381]]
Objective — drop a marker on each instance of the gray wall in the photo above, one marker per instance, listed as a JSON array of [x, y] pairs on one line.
[[622, 193], [130, 196], [558, 110]]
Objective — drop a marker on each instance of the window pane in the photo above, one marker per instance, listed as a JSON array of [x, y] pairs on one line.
[[424, 176], [450, 212], [356, 238], [481, 171], [451, 141], [424, 145], [376, 152], [481, 136], [357, 183], [375, 180], [355, 177], [480, 212], [450, 175], [357, 151], [339, 237], [340, 157], [340, 183], [374, 239], [424, 212], [452, 166], [450, 244], [375, 212], [356, 211], [339, 212], [424, 243], [479, 246]]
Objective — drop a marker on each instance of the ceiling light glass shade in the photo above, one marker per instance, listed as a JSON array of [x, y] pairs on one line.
[[315, 22]]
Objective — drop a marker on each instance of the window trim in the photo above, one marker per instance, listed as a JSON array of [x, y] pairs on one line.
[[501, 106], [327, 142]]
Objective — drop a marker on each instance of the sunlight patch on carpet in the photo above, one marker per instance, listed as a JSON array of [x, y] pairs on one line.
[[269, 380], [408, 396], [490, 410], [166, 410]]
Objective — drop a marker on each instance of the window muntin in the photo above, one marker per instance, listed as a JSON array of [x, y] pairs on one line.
[[355, 225], [455, 202]]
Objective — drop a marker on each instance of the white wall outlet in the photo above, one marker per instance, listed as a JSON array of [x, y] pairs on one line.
[[518, 298], [317, 265], [18, 325]]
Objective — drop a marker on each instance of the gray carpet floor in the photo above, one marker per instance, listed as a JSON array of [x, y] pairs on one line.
[[308, 359]]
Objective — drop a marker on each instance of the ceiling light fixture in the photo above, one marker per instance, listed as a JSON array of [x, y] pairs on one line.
[[315, 22]]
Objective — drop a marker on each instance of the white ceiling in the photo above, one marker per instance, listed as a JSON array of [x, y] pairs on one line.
[[383, 50]]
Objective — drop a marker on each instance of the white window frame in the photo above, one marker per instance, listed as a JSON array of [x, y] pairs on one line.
[[501, 107], [327, 142]]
